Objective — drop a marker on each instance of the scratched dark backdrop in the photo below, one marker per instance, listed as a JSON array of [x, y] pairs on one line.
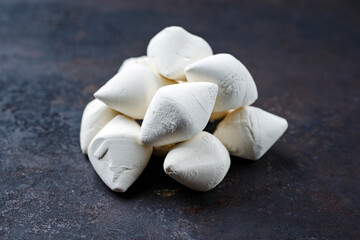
[[304, 56]]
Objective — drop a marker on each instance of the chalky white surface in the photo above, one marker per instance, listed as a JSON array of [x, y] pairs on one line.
[[130, 91], [250, 132], [95, 116], [173, 48], [117, 154], [200, 163], [236, 85], [178, 112], [142, 60]]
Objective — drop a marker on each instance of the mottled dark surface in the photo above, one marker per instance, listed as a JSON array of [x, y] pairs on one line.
[[304, 56]]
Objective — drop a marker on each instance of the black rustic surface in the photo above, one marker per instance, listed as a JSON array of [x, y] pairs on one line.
[[304, 56]]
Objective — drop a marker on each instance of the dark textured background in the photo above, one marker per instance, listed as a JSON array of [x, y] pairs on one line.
[[304, 56]]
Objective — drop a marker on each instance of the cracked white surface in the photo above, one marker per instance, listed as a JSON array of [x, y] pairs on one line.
[[117, 154], [249, 132], [95, 116]]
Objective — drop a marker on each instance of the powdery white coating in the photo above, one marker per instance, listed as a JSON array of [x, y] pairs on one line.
[[162, 151], [250, 132], [236, 85], [131, 90], [200, 163], [142, 60], [117, 154], [178, 112], [173, 48], [95, 116]]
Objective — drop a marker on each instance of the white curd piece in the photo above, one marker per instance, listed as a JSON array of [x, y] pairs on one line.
[[200, 163], [131, 90], [178, 112], [95, 116], [117, 154], [236, 85], [176, 89], [173, 48], [142, 60], [249, 132]]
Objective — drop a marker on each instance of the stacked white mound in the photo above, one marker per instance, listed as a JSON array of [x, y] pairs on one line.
[[176, 89]]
